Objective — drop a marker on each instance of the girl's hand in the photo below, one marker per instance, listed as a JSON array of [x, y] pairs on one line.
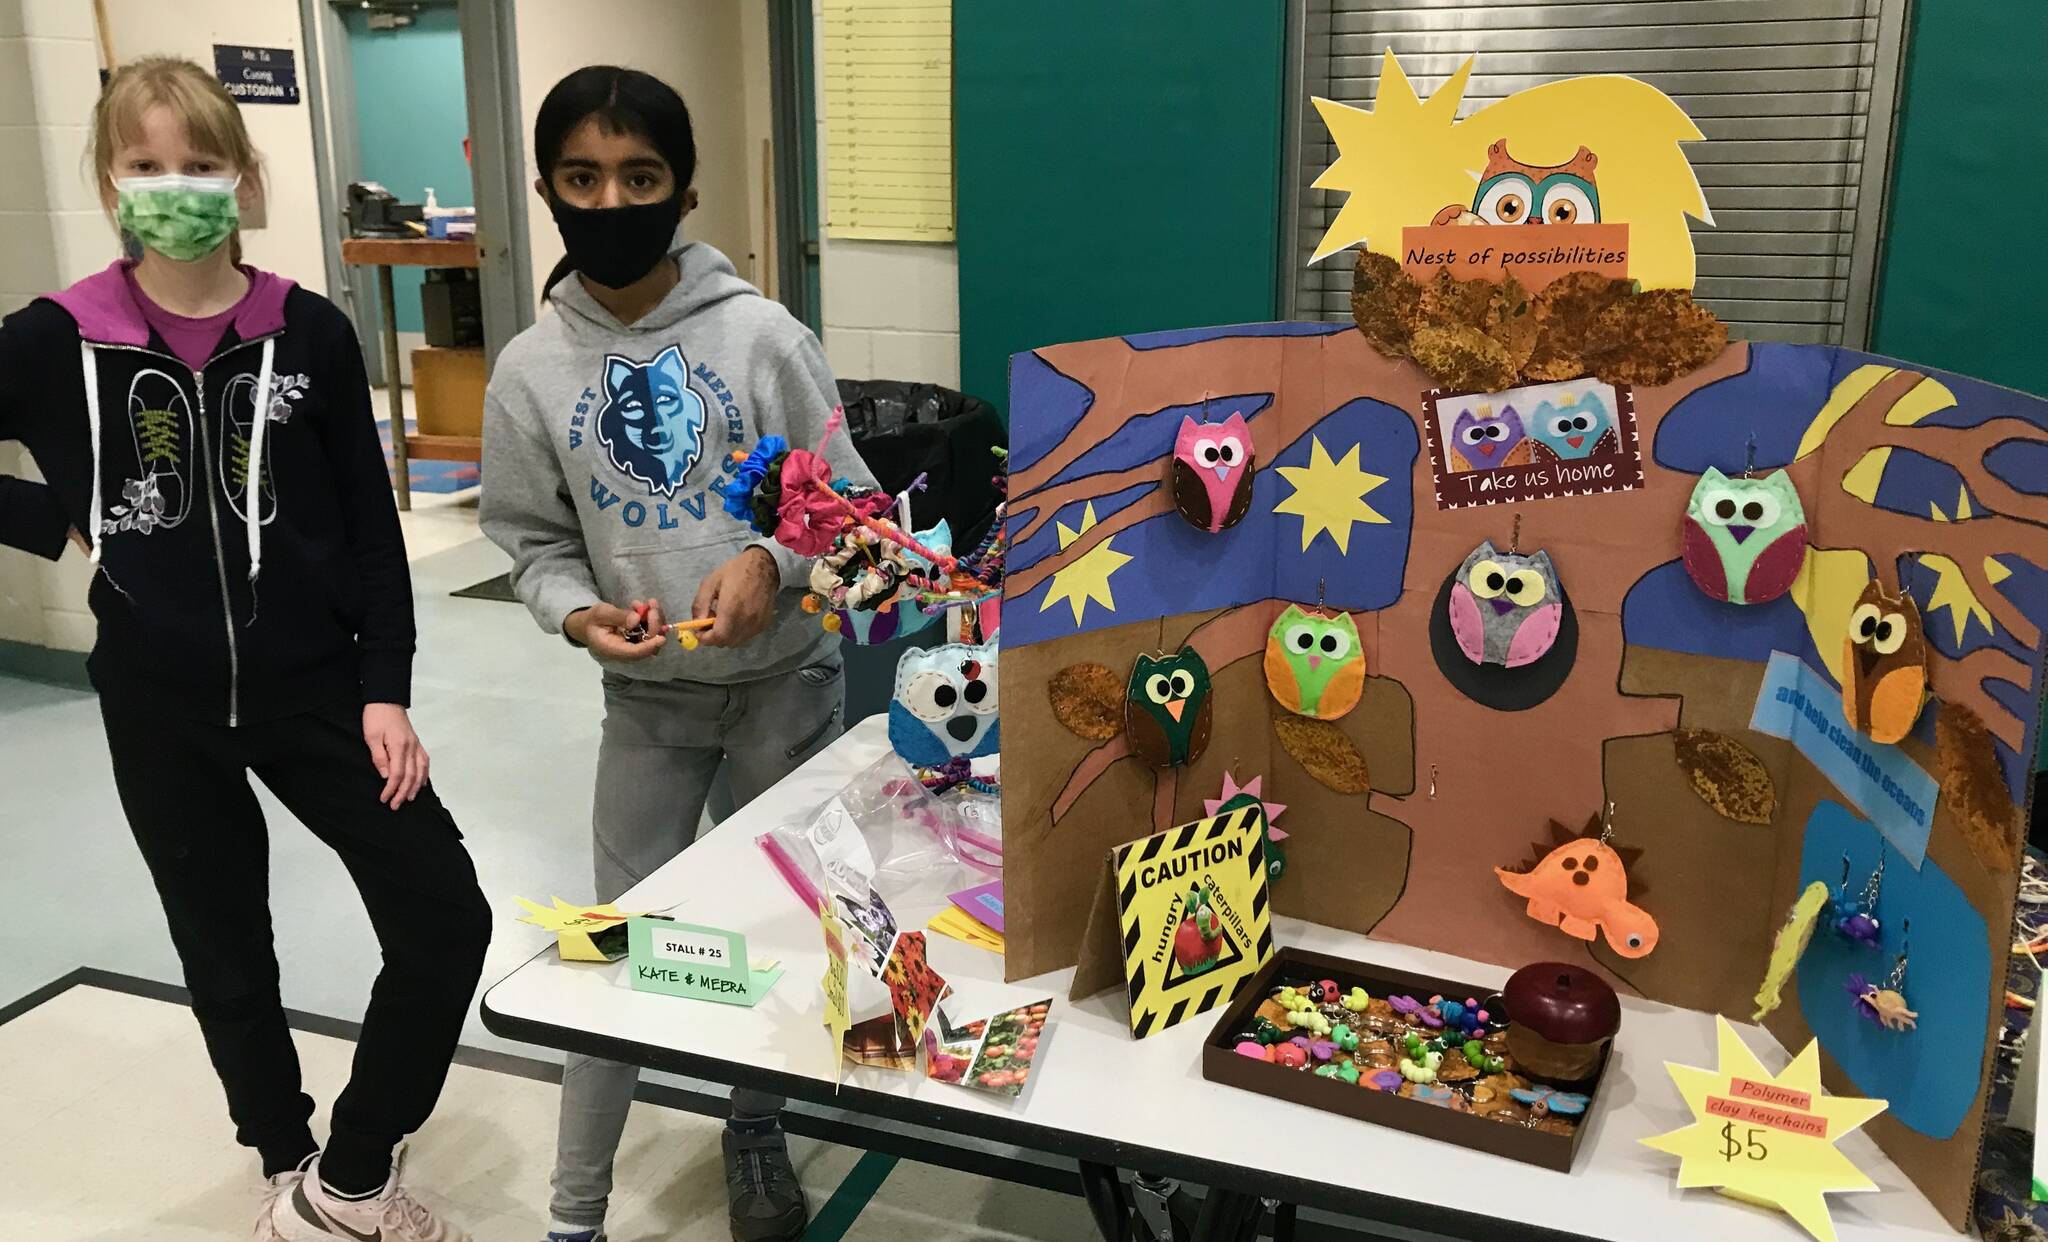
[[396, 751], [740, 594], [603, 629], [78, 541]]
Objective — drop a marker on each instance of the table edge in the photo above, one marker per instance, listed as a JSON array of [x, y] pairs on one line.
[[1369, 1205]]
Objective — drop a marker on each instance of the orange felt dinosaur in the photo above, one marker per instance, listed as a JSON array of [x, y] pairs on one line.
[[1581, 887]]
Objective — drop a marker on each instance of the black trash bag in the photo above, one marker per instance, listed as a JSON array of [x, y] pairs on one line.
[[902, 430]]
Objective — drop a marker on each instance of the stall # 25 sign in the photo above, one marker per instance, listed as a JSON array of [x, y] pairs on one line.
[[257, 74]]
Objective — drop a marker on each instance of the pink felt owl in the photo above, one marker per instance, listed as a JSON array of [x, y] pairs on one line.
[[1213, 465], [1505, 607]]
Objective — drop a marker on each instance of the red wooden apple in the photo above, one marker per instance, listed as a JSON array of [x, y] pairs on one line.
[[1561, 1017]]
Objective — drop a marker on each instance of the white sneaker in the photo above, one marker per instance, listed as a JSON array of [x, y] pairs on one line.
[[310, 1214], [276, 1188]]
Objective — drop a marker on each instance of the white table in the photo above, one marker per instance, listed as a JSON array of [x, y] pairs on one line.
[[1098, 1096]]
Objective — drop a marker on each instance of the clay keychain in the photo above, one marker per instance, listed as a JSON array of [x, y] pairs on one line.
[[1581, 888], [1884, 664], [1886, 1004], [1167, 713], [1212, 471], [1506, 607], [1315, 661], [1744, 538], [1855, 918]]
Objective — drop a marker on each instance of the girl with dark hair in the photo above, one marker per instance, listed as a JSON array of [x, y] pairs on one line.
[[607, 423]]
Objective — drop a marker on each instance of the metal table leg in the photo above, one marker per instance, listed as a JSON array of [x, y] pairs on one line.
[[387, 306], [1107, 1202]]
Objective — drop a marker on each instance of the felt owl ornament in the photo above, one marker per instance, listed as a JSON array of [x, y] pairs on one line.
[[1315, 663], [1745, 539], [1212, 472], [1166, 708], [945, 704], [1505, 607], [1483, 440], [1572, 430], [1884, 665]]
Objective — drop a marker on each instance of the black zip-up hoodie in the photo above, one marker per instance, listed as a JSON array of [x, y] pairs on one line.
[[185, 626]]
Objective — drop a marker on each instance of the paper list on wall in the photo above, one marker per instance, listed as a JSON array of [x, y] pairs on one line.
[[888, 111]]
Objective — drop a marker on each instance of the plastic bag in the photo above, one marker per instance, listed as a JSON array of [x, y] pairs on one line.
[[886, 832]]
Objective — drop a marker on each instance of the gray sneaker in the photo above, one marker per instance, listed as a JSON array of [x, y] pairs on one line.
[[767, 1201]]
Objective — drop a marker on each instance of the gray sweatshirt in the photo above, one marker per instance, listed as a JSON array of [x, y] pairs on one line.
[[602, 441]]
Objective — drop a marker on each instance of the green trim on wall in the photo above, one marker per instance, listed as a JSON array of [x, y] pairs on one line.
[[1957, 293], [45, 664], [1115, 174]]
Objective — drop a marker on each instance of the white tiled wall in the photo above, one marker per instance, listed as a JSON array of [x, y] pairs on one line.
[[51, 233], [892, 309]]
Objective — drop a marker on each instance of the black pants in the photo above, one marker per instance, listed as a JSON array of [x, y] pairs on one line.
[[185, 787]]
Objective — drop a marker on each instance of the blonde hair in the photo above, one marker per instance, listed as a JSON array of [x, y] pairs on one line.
[[212, 119]]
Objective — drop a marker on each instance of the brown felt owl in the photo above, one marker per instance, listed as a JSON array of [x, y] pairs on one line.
[[1884, 664], [1511, 192]]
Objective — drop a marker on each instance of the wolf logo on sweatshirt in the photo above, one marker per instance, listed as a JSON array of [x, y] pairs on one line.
[[651, 422]]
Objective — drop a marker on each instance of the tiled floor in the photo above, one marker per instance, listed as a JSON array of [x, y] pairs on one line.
[[119, 1134], [111, 1124]]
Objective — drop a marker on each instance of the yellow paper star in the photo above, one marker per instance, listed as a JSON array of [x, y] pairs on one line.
[[1088, 577], [1952, 591], [1329, 495], [1767, 1139]]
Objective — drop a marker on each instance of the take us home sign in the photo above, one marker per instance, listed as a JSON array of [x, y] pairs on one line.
[[257, 74]]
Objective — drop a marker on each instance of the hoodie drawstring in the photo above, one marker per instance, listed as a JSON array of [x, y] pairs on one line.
[[253, 501], [92, 423]]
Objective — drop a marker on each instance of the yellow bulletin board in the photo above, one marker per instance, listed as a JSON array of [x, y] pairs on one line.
[[888, 111]]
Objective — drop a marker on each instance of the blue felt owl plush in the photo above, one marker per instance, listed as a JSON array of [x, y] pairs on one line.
[[945, 704]]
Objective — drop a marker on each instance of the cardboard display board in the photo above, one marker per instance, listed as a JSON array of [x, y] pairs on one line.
[[1912, 476]]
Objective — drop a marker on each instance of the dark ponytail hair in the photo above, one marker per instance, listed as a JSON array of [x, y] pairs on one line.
[[621, 101]]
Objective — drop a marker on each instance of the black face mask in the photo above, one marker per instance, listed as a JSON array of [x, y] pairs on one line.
[[616, 246]]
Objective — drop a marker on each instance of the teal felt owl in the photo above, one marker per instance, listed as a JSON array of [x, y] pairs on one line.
[[1315, 662], [1167, 713], [1744, 538]]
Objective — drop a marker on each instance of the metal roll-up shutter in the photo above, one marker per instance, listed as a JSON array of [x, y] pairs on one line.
[[1796, 99]]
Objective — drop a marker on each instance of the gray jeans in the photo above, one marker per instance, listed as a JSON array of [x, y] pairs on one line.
[[663, 743]]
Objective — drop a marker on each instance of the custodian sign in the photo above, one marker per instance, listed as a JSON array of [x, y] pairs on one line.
[[257, 74]]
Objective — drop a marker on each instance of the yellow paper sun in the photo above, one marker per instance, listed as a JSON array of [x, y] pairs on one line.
[[1088, 577], [1826, 591], [1329, 495], [565, 917], [1796, 1171], [1407, 157]]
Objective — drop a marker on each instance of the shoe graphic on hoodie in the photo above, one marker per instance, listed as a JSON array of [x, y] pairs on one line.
[[240, 425], [160, 420]]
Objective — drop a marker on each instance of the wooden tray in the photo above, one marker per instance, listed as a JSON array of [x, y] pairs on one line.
[[1222, 1063]]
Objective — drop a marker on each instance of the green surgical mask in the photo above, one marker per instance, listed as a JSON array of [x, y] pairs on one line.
[[179, 217]]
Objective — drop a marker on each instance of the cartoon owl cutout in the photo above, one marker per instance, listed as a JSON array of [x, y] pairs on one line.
[[1745, 539], [1213, 466], [1884, 665], [1167, 712], [1511, 192], [1575, 429], [1505, 606], [945, 704], [1315, 662], [1483, 440]]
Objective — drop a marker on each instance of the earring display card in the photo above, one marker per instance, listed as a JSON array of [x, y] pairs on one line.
[[1532, 443]]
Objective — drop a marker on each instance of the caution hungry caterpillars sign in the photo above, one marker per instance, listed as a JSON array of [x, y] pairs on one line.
[[1192, 916]]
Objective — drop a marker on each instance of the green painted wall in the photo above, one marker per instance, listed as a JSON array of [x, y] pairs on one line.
[[1961, 286], [1117, 172]]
